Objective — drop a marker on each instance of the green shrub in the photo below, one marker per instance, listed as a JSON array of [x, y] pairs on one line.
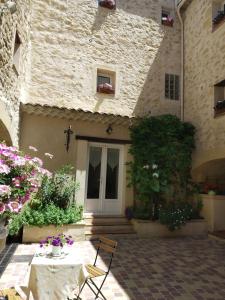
[[47, 215], [59, 189], [162, 150], [175, 214]]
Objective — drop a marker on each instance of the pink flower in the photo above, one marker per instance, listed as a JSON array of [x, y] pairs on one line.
[[16, 181], [38, 161], [49, 155], [45, 172], [14, 206], [5, 190], [2, 208], [33, 148], [4, 169], [19, 162]]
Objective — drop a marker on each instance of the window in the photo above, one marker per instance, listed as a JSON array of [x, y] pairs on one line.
[[16, 53], [103, 79], [218, 13], [172, 83], [166, 18], [106, 81], [219, 98]]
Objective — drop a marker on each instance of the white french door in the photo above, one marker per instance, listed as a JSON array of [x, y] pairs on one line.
[[104, 179]]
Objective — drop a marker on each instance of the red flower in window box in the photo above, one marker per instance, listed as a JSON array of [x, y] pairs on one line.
[[110, 4], [167, 21], [105, 88]]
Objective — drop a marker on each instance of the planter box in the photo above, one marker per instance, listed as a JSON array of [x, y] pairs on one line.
[[3, 236], [105, 90], [110, 4], [167, 23], [34, 234], [150, 229]]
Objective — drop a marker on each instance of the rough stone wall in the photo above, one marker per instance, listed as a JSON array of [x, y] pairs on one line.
[[70, 39], [204, 67], [12, 86]]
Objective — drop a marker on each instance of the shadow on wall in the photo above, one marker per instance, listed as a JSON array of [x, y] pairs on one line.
[[212, 171], [132, 8], [100, 18], [150, 95], [4, 134]]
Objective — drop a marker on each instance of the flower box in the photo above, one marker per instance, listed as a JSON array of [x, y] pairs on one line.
[[219, 107], [34, 234], [167, 21], [105, 88], [150, 229], [110, 4]]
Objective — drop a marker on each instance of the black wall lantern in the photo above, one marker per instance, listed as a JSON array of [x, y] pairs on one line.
[[68, 132], [109, 129]]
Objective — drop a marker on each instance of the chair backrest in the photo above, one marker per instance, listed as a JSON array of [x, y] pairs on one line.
[[108, 246]]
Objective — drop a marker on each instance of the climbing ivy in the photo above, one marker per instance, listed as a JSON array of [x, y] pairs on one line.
[[162, 149]]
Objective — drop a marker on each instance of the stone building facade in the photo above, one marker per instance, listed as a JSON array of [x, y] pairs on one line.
[[13, 71], [72, 40], [204, 58], [68, 47]]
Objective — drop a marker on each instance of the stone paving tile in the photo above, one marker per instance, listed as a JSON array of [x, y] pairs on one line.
[[157, 269]]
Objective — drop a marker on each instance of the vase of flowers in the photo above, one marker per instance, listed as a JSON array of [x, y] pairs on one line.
[[57, 243]]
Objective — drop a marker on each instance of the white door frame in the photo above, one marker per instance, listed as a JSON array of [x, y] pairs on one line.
[[106, 206]]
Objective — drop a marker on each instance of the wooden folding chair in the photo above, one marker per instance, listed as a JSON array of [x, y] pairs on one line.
[[108, 246], [10, 294]]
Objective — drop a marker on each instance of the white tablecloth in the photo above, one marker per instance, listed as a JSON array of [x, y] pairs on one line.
[[55, 278]]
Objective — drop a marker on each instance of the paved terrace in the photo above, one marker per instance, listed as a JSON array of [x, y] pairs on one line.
[[145, 269]]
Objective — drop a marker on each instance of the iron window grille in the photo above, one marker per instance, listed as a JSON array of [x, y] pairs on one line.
[[172, 87]]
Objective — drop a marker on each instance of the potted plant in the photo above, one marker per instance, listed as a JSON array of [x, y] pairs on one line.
[[20, 177], [57, 243], [105, 88], [210, 188], [167, 21], [110, 4]]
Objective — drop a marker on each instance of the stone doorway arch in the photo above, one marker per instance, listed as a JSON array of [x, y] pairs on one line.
[[4, 134]]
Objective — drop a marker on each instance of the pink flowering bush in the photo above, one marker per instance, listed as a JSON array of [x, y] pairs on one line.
[[20, 178]]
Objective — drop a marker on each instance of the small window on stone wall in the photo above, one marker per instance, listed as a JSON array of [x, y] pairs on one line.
[[172, 87], [16, 53], [219, 98], [218, 13], [167, 18], [106, 81]]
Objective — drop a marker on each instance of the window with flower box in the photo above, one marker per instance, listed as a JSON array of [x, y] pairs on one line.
[[218, 13], [106, 81], [219, 98], [167, 18]]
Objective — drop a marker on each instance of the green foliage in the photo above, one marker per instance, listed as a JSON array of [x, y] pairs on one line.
[[50, 214], [162, 150], [59, 189], [175, 214]]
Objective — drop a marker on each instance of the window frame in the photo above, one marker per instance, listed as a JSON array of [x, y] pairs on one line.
[[172, 87]]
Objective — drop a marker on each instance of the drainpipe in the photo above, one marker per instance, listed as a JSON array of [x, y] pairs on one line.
[[179, 4]]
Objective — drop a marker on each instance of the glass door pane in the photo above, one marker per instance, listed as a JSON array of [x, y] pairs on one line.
[[112, 173], [94, 172]]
